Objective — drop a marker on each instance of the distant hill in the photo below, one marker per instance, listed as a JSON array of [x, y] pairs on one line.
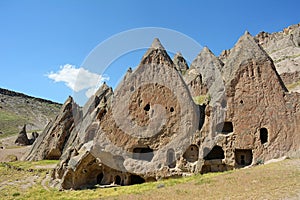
[[17, 109]]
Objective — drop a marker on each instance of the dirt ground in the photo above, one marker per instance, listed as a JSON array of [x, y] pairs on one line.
[[9, 151]]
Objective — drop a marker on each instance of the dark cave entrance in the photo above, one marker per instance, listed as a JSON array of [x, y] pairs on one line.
[[118, 180], [100, 178], [143, 153], [216, 153], [243, 157], [225, 128], [171, 158], [135, 179]]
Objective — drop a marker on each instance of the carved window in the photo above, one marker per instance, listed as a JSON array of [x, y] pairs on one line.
[[263, 135], [225, 128]]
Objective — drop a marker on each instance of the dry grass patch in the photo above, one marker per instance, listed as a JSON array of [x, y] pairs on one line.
[[273, 181]]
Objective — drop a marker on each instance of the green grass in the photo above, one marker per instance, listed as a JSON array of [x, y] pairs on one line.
[[31, 164], [16, 111], [10, 123], [273, 181], [15, 171], [202, 99]]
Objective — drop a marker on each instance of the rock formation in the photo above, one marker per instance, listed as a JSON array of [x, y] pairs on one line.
[[51, 143], [22, 138], [254, 129], [180, 63], [165, 119], [284, 48], [131, 141]]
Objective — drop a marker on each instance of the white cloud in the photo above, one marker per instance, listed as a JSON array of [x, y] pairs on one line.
[[91, 91], [78, 78]]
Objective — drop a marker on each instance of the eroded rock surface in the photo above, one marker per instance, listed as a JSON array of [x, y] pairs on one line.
[[22, 138], [51, 143], [284, 48], [157, 125]]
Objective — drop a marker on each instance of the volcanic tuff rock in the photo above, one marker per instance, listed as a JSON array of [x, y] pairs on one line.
[[123, 131], [284, 48], [207, 68], [22, 138], [180, 63], [79, 142], [257, 103], [51, 143], [150, 128]]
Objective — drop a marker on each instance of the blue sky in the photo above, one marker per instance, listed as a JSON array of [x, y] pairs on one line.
[[39, 38]]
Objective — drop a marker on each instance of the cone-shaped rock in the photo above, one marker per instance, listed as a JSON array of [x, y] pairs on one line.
[[51, 143], [205, 73], [156, 44], [208, 65], [180, 63], [247, 51], [22, 138], [157, 54], [256, 101]]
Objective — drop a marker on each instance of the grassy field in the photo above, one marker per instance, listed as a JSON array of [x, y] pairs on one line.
[[10, 123], [27, 180]]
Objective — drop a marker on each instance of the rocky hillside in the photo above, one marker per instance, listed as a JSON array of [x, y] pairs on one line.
[[284, 48], [17, 109]]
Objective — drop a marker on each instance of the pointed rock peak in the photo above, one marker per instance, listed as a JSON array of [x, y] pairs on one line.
[[104, 87], [178, 54], [207, 54], [67, 104], [156, 44], [245, 50], [207, 51], [104, 84], [247, 38], [129, 70], [206, 58], [180, 63], [157, 54], [247, 33], [23, 129], [68, 100]]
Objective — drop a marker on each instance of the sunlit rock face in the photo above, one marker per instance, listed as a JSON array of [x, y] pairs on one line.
[[167, 119]]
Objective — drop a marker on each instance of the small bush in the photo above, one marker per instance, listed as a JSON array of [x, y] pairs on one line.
[[260, 162], [16, 194]]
